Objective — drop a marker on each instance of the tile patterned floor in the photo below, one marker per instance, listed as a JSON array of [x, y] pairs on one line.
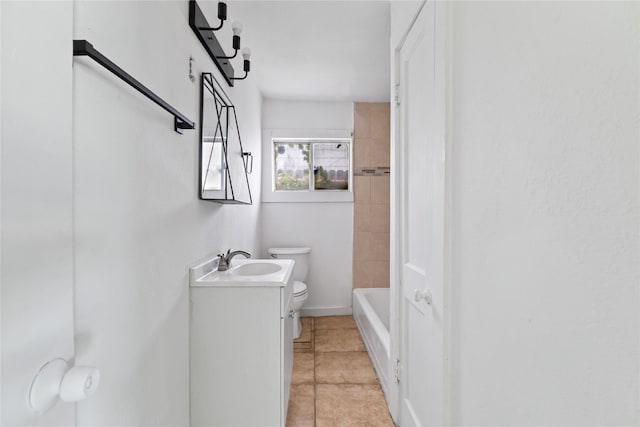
[[334, 384]]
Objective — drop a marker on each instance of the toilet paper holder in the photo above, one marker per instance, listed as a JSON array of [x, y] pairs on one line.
[[58, 380]]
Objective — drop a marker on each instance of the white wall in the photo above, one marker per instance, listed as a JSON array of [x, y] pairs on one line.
[[124, 194], [546, 209], [36, 240], [280, 114], [326, 227]]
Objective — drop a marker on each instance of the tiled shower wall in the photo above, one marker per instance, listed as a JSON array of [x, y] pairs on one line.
[[371, 149]]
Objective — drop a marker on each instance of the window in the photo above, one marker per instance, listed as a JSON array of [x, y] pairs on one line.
[[312, 165], [291, 166]]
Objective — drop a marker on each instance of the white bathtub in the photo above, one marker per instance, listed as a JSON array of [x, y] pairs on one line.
[[371, 312]]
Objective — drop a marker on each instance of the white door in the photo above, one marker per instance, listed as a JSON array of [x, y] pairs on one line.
[[37, 230], [421, 217]]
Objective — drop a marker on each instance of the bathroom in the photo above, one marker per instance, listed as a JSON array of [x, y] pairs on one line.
[[101, 217]]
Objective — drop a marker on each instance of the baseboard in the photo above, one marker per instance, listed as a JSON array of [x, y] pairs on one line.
[[326, 311]]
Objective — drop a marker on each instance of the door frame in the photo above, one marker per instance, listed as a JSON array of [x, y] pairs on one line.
[[443, 91]]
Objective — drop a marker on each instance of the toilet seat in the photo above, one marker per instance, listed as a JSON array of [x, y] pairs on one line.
[[299, 289]]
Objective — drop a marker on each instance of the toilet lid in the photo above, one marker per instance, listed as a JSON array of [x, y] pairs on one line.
[[299, 288]]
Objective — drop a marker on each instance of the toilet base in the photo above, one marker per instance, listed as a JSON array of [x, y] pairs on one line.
[[297, 325]]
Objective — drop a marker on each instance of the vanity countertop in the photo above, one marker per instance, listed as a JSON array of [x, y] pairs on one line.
[[243, 273]]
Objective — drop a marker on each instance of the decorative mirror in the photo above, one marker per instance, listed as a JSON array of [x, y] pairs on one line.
[[224, 165]]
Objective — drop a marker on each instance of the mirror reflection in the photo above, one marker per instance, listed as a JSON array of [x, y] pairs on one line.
[[213, 164], [223, 162]]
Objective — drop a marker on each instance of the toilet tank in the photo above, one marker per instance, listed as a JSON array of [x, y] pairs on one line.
[[299, 255]]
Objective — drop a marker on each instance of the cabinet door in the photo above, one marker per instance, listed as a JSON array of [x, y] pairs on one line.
[[236, 356], [287, 356]]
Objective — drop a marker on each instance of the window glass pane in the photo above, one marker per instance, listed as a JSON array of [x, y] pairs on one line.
[[291, 166], [331, 165]]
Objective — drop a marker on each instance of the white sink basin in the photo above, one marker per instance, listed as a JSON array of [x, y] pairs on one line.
[[256, 269], [244, 272]]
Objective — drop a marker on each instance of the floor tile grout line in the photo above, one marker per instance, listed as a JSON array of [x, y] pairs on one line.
[[315, 395]]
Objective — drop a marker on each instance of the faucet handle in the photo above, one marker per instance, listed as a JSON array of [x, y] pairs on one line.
[[222, 262]]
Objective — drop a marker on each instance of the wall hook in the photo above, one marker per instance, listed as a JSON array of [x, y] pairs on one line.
[[191, 76]]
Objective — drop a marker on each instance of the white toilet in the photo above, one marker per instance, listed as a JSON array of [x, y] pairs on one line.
[[299, 276]]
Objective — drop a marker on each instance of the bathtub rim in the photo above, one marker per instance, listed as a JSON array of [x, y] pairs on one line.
[[381, 360], [375, 319]]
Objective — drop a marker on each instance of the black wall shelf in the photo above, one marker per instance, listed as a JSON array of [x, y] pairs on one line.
[[84, 48]]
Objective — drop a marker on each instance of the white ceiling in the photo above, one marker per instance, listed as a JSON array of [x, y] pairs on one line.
[[316, 50]]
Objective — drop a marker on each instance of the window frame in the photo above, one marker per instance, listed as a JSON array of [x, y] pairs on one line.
[[271, 136], [312, 143]]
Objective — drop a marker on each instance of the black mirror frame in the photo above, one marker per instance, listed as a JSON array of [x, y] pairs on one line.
[[223, 104]]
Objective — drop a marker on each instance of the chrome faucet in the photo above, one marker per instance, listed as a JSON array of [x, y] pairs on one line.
[[224, 260]]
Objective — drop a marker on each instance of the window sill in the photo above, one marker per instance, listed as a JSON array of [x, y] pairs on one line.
[[307, 197]]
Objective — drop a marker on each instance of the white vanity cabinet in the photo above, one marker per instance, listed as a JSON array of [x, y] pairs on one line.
[[241, 350]]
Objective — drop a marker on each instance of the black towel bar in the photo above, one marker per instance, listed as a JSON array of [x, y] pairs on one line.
[[84, 48]]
